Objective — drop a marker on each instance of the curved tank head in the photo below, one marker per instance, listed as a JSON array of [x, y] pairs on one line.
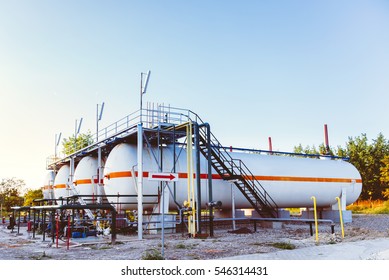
[[61, 182], [86, 179], [292, 181], [118, 179], [48, 183]]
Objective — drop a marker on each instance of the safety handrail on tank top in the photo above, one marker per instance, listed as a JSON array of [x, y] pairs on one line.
[[127, 124]]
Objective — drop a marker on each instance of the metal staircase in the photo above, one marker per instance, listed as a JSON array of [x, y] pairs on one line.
[[235, 171], [81, 201]]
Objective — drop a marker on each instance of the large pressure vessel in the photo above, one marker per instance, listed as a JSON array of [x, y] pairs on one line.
[[86, 179], [48, 183], [61, 183], [290, 181]]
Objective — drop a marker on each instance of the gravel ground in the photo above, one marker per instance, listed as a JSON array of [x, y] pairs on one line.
[[178, 246]]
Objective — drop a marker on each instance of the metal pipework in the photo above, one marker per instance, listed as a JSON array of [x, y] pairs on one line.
[[216, 204], [82, 207], [340, 215], [315, 215]]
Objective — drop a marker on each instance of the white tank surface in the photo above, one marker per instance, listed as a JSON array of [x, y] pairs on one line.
[[48, 183], [61, 182], [290, 181], [118, 177], [86, 179]]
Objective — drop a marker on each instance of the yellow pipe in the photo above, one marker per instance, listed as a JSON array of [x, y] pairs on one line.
[[340, 215], [315, 215], [191, 194], [192, 181], [188, 170]]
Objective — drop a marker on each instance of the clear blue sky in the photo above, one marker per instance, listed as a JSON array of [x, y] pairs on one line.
[[252, 69]]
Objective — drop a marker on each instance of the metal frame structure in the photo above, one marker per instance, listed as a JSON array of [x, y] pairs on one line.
[[153, 128], [158, 126]]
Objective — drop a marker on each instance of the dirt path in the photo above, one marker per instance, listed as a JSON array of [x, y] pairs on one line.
[[225, 243]]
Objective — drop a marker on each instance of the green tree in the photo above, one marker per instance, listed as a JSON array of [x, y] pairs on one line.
[[31, 195], [367, 158], [385, 176], [305, 150], [341, 152], [313, 150], [71, 145], [10, 192]]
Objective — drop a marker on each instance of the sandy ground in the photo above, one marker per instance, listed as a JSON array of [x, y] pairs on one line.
[[178, 246]]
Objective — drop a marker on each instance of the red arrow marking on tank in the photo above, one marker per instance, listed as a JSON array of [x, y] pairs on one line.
[[170, 176], [163, 176]]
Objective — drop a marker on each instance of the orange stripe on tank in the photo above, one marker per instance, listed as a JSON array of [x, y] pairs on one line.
[[83, 181], [87, 181], [305, 179], [124, 174], [182, 175], [60, 186]]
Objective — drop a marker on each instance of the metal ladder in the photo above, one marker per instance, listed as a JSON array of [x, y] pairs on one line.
[[235, 171], [82, 202]]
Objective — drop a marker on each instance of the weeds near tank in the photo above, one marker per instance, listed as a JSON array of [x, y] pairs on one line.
[[332, 241], [180, 246], [152, 254], [183, 246], [42, 256], [369, 207], [103, 247], [283, 245], [194, 256]]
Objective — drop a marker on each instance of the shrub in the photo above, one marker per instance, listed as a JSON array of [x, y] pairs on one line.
[[152, 255], [283, 245]]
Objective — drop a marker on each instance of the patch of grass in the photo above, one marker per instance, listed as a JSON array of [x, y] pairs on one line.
[[180, 246], [43, 256], [294, 211], [194, 256], [152, 255], [283, 245], [257, 244], [188, 246], [370, 207]]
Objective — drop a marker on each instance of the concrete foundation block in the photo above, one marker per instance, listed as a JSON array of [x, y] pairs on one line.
[[271, 224], [329, 215], [334, 215]]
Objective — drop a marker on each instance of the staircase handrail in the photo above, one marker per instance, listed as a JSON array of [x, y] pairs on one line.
[[244, 171]]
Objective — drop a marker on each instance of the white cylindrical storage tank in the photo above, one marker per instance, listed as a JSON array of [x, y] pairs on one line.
[[48, 183], [290, 181], [86, 179], [61, 182], [118, 179]]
